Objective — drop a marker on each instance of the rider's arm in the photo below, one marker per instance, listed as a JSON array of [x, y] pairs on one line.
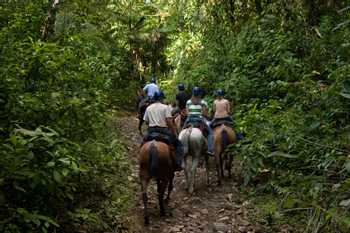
[[228, 107], [145, 117], [145, 90], [205, 112], [205, 109], [187, 110], [214, 108]]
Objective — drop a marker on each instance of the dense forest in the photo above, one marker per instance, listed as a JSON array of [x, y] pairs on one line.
[[68, 68]]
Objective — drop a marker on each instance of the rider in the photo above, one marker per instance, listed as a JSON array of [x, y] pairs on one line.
[[141, 105], [197, 109], [181, 99], [222, 109], [159, 120], [151, 88], [181, 96]]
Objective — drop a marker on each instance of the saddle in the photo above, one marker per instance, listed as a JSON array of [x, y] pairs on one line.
[[219, 122], [158, 137], [199, 125]]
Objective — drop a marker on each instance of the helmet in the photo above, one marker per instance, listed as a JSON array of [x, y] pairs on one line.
[[153, 79], [181, 87], [159, 95], [196, 91], [220, 92]]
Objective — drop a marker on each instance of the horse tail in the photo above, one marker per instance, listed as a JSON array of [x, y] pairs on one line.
[[188, 139], [153, 160], [225, 139]]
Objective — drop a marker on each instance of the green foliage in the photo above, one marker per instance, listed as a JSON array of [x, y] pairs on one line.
[[61, 164], [286, 68], [285, 65]]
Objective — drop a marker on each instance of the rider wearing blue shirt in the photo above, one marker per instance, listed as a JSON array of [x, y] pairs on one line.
[[151, 88]]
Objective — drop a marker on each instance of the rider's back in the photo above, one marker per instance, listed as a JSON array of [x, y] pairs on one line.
[[156, 115], [182, 97], [195, 109], [221, 108], [150, 89]]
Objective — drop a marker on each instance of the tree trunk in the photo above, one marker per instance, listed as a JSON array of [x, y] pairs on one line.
[[48, 27]]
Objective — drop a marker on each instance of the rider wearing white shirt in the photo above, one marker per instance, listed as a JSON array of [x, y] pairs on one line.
[[159, 119]]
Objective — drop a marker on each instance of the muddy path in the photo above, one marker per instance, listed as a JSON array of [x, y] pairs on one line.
[[210, 209]]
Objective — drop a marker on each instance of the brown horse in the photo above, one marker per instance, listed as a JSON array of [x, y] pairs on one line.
[[222, 137], [156, 162]]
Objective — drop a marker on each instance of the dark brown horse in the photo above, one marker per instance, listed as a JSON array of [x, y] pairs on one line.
[[223, 136], [155, 161], [142, 104]]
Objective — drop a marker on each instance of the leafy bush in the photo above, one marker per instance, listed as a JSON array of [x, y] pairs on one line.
[[287, 70], [61, 165]]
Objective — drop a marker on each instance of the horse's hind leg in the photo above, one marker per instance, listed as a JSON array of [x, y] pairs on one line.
[[188, 163], [140, 126], [193, 174], [161, 186], [170, 186], [144, 185], [229, 165], [207, 168], [222, 165], [218, 166]]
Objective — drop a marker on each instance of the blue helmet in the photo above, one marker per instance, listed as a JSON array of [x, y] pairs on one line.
[[196, 91], [153, 79], [181, 87], [220, 92], [159, 95]]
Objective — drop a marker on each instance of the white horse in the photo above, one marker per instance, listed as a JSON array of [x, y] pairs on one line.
[[194, 143]]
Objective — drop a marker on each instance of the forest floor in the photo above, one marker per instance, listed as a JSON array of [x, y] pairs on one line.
[[209, 209]]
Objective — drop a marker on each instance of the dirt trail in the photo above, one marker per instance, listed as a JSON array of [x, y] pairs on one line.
[[210, 209]]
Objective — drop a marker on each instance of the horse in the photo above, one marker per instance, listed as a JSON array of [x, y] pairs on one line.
[[155, 161], [193, 143], [222, 137], [143, 103]]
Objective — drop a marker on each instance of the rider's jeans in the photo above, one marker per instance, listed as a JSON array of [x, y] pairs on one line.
[[210, 136], [209, 130], [173, 140]]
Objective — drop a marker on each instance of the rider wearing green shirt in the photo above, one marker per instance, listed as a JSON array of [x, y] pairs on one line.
[[197, 110]]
